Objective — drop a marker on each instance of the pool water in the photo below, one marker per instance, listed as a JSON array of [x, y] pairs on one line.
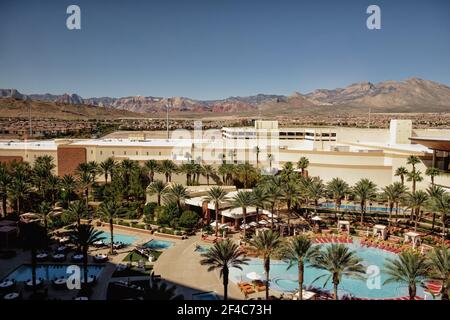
[[331, 205], [205, 296], [118, 237], [202, 248], [158, 244], [286, 280], [49, 272]]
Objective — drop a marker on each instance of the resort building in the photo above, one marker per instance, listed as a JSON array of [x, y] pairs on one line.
[[348, 153]]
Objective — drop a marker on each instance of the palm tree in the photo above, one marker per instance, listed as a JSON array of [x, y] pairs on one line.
[[440, 268], [189, 170], [34, 238], [177, 193], [288, 173], [338, 188], [441, 202], [242, 199], [260, 199], [302, 164], [168, 167], [270, 158], [394, 193], [432, 172], [410, 268], [434, 192], [159, 188], [401, 172], [299, 250], [416, 201], [223, 256], [257, 150], [53, 186], [85, 181], [208, 171], [19, 190], [161, 291], [44, 209], [246, 173], [315, 190], [5, 181], [413, 160], [266, 243], [152, 167], [216, 195], [274, 197], [415, 176], [77, 209], [110, 209], [107, 167], [68, 186], [290, 192], [43, 166], [364, 190], [84, 236], [338, 261], [128, 166]]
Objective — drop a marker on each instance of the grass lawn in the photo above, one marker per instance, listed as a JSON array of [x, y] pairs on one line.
[[135, 256]]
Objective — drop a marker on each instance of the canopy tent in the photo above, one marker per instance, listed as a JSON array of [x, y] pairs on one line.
[[343, 225], [253, 276], [380, 231], [413, 237]]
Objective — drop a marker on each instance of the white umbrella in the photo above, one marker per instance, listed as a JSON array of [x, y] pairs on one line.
[[213, 224], [263, 222], [316, 218], [253, 276], [253, 224], [245, 226]]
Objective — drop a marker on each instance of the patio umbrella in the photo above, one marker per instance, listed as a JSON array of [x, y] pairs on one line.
[[316, 218], [263, 222], [253, 224], [213, 224], [245, 226], [253, 276]]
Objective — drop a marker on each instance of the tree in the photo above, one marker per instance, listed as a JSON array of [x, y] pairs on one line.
[[85, 181], [68, 186], [434, 192], [266, 242], [257, 150], [128, 166], [242, 199], [208, 171], [223, 256], [364, 190], [77, 209], [290, 192], [84, 236], [432, 173], [288, 173], [440, 268], [338, 261], [5, 181], [168, 167], [226, 171], [159, 188], [394, 193], [416, 201], [189, 170], [260, 199], [177, 193], [401, 172], [338, 188], [53, 187], [110, 209], [161, 291], [299, 251], [441, 202], [189, 219], [246, 174], [19, 190], [410, 268], [414, 176], [274, 196], [303, 164], [315, 190], [107, 168], [44, 209], [270, 158], [216, 195], [152, 167]]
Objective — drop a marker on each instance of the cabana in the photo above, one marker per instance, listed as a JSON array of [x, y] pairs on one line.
[[343, 225], [380, 231], [8, 234], [412, 237]]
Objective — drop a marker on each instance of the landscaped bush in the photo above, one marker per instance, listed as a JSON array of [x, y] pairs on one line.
[[149, 208], [188, 219]]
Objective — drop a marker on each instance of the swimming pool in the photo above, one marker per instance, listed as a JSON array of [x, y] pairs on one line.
[[118, 237], [211, 295], [286, 280], [202, 248], [331, 205], [158, 244], [48, 272]]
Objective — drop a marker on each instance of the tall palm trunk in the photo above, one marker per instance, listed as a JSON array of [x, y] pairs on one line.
[[4, 203], [244, 214], [443, 227], [335, 286], [412, 291], [216, 209], [362, 210], [159, 199], [111, 227], [300, 279], [433, 221], [18, 205], [33, 268], [225, 282], [267, 270], [85, 263], [391, 207]]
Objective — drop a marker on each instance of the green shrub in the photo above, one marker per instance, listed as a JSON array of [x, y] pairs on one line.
[[188, 219], [149, 208]]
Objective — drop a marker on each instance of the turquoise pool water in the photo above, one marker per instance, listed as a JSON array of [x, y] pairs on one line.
[[158, 244], [331, 205], [285, 280], [118, 237], [205, 296], [48, 272], [202, 248]]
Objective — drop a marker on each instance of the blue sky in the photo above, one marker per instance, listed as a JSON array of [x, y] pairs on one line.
[[209, 49]]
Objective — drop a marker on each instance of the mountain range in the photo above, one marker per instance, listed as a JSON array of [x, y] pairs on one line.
[[411, 95]]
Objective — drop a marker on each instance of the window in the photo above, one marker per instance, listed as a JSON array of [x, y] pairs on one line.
[[147, 152], [136, 153], [92, 151], [160, 153], [101, 152], [124, 152], [112, 153]]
